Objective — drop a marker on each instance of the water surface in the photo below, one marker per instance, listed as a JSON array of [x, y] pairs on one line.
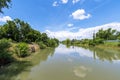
[[73, 63]]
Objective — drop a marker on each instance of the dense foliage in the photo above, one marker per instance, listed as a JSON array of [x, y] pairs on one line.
[[21, 34], [5, 55], [42, 45], [108, 34], [20, 31], [21, 49], [4, 4]]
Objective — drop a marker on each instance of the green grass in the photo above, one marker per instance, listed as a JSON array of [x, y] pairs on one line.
[[111, 43]]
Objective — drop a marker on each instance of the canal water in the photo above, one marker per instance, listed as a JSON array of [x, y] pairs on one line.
[[72, 63]]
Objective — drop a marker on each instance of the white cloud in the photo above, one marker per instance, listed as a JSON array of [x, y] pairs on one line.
[[82, 33], [64, 1], [80, 14], [70, 25], [75, 1], [55, 3], [5, 18]]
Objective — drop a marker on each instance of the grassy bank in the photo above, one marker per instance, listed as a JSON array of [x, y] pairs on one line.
[[11, 51], [109, 45], [106, 45]]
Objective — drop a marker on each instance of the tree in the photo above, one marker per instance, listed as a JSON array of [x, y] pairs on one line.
[[33, 36], [4, 4], [45, 38], [10, 30], [118, 35], [67, 41], [108, 34], [20, 31]]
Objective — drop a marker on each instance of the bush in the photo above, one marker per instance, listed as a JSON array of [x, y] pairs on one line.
[[99, 41], [42, 45], [5, 56], [21, 49], [119, 45], [92, 43], [4, 44], [52, 43]]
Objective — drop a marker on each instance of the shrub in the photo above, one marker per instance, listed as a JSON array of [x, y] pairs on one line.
[[118, 44], [52, 43], [21, 49], [99, 41], [42, 45], [4, 44], [5, 56], [92, 43]]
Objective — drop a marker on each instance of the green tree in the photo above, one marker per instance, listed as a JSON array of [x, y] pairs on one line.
[[118, 35], [4, 4], [108, 34], [45, 38], [67, 42], [10, 30], [20, 31]]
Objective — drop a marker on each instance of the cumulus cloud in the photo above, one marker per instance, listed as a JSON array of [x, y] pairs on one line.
[[64, 1], [55, 3], [80, 14], [82, 33], [5, 18], [70, 25], [75, 1]]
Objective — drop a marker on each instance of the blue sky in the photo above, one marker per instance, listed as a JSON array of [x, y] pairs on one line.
[[64, 15]]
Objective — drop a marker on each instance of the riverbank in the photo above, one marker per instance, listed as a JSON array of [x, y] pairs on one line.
[[12, 51], [106, 45], [109, 45]]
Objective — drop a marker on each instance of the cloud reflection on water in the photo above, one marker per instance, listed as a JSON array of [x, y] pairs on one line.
[[78, 50], [81, 71], [98, 54]]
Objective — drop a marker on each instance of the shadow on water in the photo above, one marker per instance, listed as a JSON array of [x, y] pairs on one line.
[[42, 56], [9, 72], [13, 69]]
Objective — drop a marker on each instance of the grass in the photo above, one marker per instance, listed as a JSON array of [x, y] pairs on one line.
[[106, 45], [109, 45]]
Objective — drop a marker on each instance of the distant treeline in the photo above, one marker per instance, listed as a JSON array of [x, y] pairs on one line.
[[98, 38]]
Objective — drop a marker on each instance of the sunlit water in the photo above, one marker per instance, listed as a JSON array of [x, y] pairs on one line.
[[73, 63]]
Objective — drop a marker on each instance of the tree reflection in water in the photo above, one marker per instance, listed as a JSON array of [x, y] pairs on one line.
[[10, 71], [106, 54]]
